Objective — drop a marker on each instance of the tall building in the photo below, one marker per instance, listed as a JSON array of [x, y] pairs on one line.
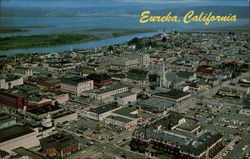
[[77, 85], [144, 59]]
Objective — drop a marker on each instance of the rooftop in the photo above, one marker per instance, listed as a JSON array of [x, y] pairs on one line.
[[156, 102], [110, 88], [25, 152], [105, 108], [123, 94], [58, 141], [173, 94], [127, 112], [185, 74], [44, 109], [121, 119], [5, 118], [74, 80], [14, 132], [160, 130]]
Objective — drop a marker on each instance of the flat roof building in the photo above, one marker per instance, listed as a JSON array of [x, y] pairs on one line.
[[77, 85], [59, 145], [17, 136]]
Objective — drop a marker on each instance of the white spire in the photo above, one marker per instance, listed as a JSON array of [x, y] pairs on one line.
[[162, 77]]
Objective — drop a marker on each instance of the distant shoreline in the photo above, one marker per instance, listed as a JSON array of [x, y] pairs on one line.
[[11, 30], [107, 41], [33, 41]]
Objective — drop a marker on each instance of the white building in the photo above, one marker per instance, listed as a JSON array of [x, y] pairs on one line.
[[102, 94], [119, 121], [64, 116], [144, 59], [124, 98], [117, 62], [77, 85], [10, 81], [100, 113], [124, 117]]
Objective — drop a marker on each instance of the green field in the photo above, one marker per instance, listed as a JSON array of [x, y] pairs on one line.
[[18, 42]]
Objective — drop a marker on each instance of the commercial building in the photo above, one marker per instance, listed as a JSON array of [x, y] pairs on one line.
[[124, 117], [116, 62], [12, 100], [169, 135], [235, 91], [90, 69], [57, 96], [101, 94], [119, 121], [22, 153], [17, 136], [23, 72], [206, 70], [43, 111], [144, 59], [59, 145], [6, 121], [100, 79], [10, 81], [155, 104], [100, 113], [64, 116], [136, 76], [174, 95], [124, 98], [77, 85], [189, 76]]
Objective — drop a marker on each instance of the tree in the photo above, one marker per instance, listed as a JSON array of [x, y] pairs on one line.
[[164, 39]]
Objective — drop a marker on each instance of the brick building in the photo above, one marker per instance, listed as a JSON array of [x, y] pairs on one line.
[[13, 100], [59, 145]]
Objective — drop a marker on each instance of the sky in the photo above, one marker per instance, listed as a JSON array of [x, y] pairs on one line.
[[77, 3]]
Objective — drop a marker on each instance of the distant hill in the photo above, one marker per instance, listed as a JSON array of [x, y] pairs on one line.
[[240, 11]]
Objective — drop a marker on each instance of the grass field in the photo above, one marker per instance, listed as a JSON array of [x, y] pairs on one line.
[[18, 42]]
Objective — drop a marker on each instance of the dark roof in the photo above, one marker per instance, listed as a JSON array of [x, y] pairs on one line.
[[58, 141], [202, 143], [98, 77], [193, 144], [74, 81], [14, 132], [21, 151], [105, 108], [185, 74], [3, 153], [44, 109]]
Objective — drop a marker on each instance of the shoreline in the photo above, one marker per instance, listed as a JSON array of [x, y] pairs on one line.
[[92, 45]]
